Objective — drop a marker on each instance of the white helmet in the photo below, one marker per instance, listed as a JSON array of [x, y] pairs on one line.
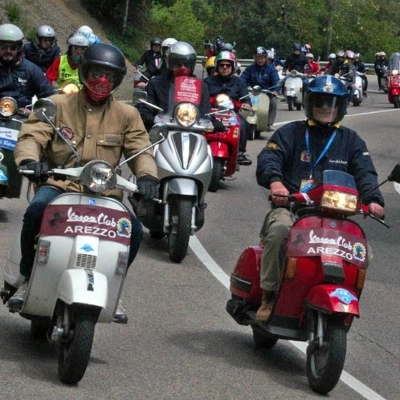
[[332, 55], [310, 55], [77, 39], [11, 33], [87, 30], [168, 42]]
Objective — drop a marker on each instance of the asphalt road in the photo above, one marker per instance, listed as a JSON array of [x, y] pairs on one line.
[[181, 344]]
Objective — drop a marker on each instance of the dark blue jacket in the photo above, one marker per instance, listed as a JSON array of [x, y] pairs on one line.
[[43, 58], [285, 158], [265, 76], [23, 81]]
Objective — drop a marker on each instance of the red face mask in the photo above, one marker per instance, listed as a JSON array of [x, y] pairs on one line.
[[181, 71], [98, 89]]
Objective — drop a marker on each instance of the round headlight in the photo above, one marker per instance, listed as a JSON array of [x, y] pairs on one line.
[[98, 176], [8, 106], [186, 114], [395, 72]]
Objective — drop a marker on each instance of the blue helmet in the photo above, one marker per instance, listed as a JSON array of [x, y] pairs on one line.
[[326, 89]]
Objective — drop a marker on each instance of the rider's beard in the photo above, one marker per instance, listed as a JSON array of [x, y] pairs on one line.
[[8, 60]]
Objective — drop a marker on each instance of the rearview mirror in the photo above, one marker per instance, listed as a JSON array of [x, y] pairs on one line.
[[44, 110], [158, 133], [138, 94], [395, 174]]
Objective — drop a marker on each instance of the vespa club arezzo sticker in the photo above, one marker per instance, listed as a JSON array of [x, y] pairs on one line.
[[327, 242], [74, 220]]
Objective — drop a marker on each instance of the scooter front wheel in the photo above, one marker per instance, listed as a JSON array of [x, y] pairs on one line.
[[396, 101], [217, 174], [325, 364], [178, 239], [74, 352]]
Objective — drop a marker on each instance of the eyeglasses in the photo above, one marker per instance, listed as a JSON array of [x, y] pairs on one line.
[[78, 48], [11, 47], [225, 65], [110, 75]]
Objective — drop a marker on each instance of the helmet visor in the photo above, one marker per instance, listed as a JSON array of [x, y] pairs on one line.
[[326, 109]]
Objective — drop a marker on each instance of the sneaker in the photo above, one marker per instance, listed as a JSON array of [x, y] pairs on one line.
[[242, 159], [120, 316], [17, 300], [270, 128]]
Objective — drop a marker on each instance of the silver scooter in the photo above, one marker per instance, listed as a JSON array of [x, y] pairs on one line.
[[184, 167]]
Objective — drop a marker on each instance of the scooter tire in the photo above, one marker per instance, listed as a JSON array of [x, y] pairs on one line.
[[178, 239], [217, 175], [74, 352], [262, 339], [257, 134], [325, 365], [290, 105], [396, 101], [298, 107], [251, 132]]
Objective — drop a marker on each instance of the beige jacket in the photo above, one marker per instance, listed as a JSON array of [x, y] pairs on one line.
[[105, 132]]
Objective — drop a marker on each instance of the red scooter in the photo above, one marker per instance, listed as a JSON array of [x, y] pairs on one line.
[[224, 145], [320, 286], [394, 80]]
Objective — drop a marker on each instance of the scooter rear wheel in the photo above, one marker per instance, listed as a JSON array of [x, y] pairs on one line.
[[325, 364], [262, 339]]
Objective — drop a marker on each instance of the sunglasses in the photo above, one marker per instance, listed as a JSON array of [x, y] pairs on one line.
[[78, 48], [98, 73], [11, 47], [225, 65], [46, 39]]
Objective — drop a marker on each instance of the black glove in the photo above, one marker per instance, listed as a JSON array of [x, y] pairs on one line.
[[218, 125], [148, 186], [40, 170]]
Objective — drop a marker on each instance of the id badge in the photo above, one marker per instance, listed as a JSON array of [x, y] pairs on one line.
[[306, 185]]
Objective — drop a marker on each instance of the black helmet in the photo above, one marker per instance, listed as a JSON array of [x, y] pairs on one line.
[[227, 47], [181, 53], [296, 46], [156, 41], [106, 55], [328, 89]]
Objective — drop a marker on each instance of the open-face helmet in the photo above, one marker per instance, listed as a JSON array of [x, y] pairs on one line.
[[210, 65], [350, 55], [45, 32], [181, 59], [332, 56], [296, 46], [226, 56], [260, 51], [10, 33], [155, 42], [326, 91]]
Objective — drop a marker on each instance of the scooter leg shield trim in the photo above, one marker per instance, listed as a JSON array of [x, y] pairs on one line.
[[83, 286], [333, 299]]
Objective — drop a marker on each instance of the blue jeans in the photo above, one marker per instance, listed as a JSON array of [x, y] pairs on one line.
[[31, 225]]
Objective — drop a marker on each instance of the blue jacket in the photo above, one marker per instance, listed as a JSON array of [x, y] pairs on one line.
[[43, 58], [285, 158], [23, 81], [265, 76]]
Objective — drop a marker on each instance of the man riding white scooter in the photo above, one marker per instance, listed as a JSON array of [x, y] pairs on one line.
[[263, 74], [97, 127]]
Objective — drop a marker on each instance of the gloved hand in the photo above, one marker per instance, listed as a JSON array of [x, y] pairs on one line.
[[218, 125], [148, 186], [40, 170]]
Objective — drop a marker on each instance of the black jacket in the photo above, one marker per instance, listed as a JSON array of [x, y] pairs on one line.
[[160, 90], [285, 158], [148, 58], [295, 61]]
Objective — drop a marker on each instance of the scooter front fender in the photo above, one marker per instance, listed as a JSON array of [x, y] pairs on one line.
[[219, 149], [181, 187], [333, 299], [83, 286]]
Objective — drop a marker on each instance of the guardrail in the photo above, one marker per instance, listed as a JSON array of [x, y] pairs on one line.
[[245, 62]]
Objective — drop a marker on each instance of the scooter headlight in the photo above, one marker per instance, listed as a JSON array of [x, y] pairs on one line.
[[98, 176], [8, 106], [339, 201], [395, 72], [186, 114]]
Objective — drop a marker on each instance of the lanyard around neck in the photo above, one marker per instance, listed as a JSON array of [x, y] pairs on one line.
[[323, 152]]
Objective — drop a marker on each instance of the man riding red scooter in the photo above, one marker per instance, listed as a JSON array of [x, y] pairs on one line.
[[305, 280]]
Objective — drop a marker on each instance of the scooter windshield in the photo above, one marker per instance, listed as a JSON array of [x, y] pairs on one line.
[[394, 62], [339, 178]]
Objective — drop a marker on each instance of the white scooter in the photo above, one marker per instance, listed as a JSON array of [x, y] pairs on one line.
[[257, 116], [293, 90], [81, 260]]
